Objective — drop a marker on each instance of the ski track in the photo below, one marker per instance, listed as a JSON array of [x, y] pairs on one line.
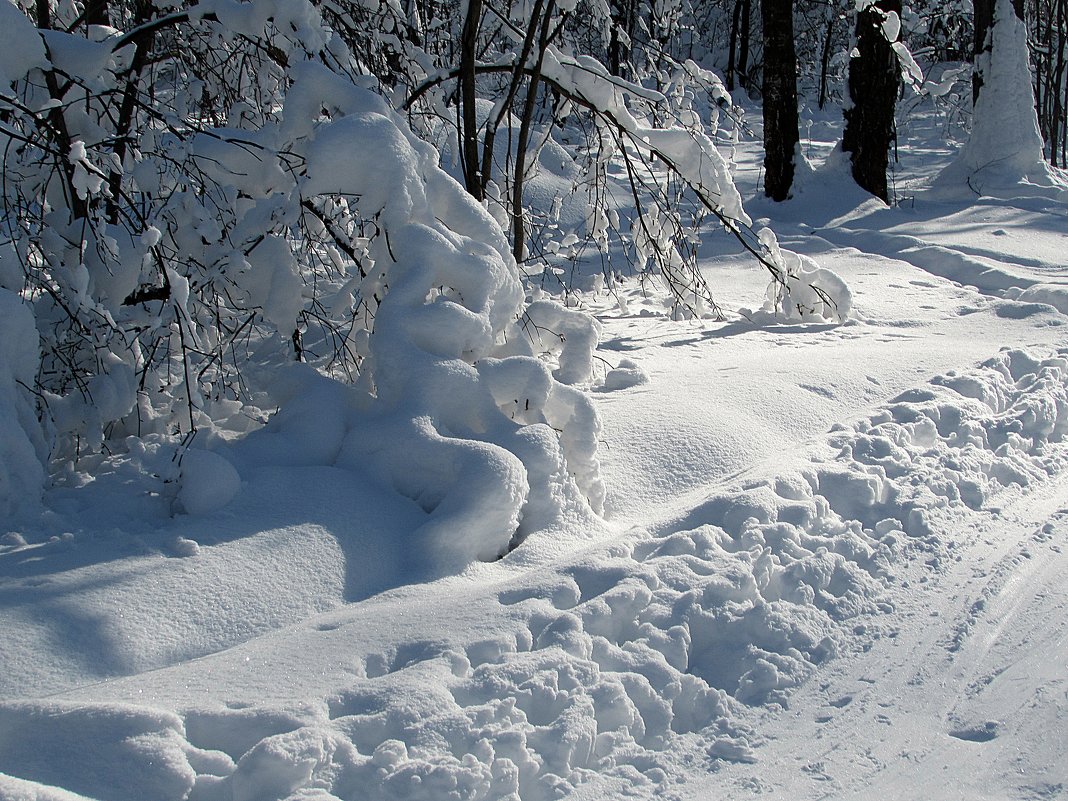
[[987, 272], [985, 704]]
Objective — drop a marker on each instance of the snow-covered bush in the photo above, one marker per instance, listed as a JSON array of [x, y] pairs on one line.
[[806, 291], [214, 192]]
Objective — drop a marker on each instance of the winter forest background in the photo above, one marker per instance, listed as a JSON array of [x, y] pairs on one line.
[[265, 257], [195, 197]]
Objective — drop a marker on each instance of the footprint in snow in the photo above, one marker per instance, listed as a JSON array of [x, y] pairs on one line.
[[982, 733]]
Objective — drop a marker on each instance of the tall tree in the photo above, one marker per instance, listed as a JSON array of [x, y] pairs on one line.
[[738, 53], [1004, 151], [780, 97], [983, 21], [874, 83]]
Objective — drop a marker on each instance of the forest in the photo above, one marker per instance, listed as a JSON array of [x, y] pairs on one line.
[[432, 399]]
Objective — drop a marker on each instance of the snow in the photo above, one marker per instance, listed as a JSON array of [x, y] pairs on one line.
[[578, 549], [24, 49]]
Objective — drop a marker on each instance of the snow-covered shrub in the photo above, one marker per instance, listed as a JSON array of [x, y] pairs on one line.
[[216, 192], [804, 292]]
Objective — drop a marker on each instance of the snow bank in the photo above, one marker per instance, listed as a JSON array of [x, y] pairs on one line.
[[114, 752], [23, 450]]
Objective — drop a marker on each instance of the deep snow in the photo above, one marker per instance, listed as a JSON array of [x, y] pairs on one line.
[[831, 565]]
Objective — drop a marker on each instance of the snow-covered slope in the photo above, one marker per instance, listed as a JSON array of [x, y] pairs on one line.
[[831, 565]]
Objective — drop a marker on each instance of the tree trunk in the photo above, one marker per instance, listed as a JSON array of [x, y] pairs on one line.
[[623, 12], [743, 47], [469, 155], [732, 52], [780, 97], [874, 83], [983, 16], [519, 244], [825, 58], [96, 13]]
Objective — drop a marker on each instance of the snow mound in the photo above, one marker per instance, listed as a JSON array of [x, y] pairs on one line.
[[208, 482], [628, 374]]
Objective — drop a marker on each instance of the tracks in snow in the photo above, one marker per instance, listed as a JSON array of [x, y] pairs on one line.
[[611, 665]]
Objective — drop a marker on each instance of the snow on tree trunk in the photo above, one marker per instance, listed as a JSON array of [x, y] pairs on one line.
[[1004, 153], [22, 446]]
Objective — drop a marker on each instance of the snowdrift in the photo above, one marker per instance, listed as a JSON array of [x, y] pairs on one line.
[[600, 664]]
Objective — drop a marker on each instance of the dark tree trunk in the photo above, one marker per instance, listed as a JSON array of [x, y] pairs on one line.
[[96, 12], [825, 58], [732, 52], [623, 16], [874, 83], [469, 159], [983, 20], [743, 47], [780, 97], [518, 224]]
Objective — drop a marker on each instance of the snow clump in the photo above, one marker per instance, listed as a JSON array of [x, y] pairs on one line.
[[802, 292]]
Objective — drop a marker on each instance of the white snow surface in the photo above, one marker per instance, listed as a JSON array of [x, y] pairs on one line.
[[831, 562]]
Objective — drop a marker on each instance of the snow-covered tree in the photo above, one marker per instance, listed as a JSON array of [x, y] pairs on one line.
[[1004, 152], [196, 200], [197, 196]]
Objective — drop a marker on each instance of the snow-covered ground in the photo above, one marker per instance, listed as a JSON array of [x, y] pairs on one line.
[[832, 565]]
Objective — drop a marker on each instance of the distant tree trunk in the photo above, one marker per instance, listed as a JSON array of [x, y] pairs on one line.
[[825, 58], [624, 15], [874, 83], [732, 51], [469, 156], [743, 46], [96, 13], [780, 97], [733, 47], [519, 243], [983, 20]]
